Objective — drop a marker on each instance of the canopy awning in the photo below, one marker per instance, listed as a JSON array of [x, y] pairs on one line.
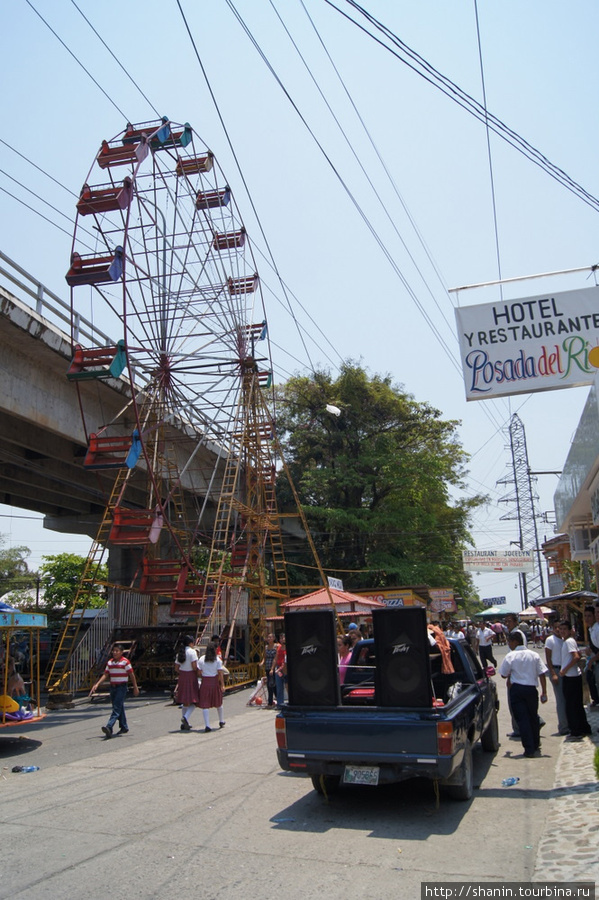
[[11, 617], [536, 612], [576, 600], [343, 601]]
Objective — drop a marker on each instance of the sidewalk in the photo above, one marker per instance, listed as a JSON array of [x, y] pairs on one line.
[[568, 848]]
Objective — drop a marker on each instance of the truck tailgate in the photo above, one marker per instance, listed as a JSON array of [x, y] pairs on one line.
[[344, 732]]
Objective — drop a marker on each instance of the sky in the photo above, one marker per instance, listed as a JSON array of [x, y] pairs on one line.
[[369, 188]]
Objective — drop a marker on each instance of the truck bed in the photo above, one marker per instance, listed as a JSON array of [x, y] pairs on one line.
[[390, 744]]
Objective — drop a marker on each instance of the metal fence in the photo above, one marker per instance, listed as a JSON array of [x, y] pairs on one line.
[[50, 306], [123, 608]]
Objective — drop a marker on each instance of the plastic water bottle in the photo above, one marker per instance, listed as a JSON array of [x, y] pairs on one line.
[[508, 782], [25, 768]]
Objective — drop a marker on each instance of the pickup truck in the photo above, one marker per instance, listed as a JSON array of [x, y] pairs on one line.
[[359, 742]]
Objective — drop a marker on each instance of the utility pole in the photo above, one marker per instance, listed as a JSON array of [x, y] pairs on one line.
[[523, 499]]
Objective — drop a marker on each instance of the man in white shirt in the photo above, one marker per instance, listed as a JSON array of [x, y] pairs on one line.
[[553, 658], [485, 637], [512, 624], [524, 669]]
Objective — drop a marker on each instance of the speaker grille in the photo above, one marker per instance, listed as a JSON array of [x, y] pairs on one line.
[[312, 672], [403, 676]]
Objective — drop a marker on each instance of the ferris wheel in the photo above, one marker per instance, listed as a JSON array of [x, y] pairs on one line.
[[162, 266]]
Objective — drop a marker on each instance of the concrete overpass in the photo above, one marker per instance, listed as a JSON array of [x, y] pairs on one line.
[[42, 440]]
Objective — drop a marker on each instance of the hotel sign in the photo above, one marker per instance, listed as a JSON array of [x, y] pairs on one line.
[[533, 344]]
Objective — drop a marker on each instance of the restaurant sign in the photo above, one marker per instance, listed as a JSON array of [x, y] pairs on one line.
[[533, 344], [497, 561]]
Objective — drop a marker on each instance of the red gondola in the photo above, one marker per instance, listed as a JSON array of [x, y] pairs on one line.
[[95, 269], [229, 241], [104, 198], [243, 285], [103, 362]]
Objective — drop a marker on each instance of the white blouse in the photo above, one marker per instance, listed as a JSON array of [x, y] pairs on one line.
[[191, 656], [209, 669]]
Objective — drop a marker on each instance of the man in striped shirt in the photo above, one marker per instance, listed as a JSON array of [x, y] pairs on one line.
[[119, 672]]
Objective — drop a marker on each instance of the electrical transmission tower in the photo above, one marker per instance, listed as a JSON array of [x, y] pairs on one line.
[[523, 499]]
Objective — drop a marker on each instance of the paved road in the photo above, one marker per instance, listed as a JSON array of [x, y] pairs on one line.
[[159, 812]]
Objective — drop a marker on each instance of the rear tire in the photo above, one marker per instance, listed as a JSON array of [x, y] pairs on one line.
[[489, 739], [464, 789], [325, 784]]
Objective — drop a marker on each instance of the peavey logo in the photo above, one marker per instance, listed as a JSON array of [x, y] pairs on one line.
[[401, 648], [309, 649]]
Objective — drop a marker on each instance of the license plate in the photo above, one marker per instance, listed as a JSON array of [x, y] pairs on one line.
[[361, 775]]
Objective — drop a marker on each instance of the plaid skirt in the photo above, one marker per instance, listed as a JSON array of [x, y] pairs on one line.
[[188, 692], [211, 696]]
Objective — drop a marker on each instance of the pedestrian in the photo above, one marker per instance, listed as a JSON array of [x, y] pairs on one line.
[[281, 671], [524, 669], [485, 637], [345, 655], [212, 687], [553, 658], [571, 676], [353, 633], [497, 627], [188, 689], [511, 625], [592, 656], [472, 636], [118, 672], [215, 639], [268, 661]]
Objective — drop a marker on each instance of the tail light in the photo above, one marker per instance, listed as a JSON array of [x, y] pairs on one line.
[[445, 738], [281, 733]]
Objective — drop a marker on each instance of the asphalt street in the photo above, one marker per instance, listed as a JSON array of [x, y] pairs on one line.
[[158, 812]]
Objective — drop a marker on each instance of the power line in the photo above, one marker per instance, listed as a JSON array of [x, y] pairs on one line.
[[77, 60], [39, 168], [116, 59], [423, 68], [361, 213], [237, 163]]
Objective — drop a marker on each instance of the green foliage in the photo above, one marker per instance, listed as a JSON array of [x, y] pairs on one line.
[[574, 576], [60, 578], [376, 482], [14, 571], [596, 762], [200, 557]]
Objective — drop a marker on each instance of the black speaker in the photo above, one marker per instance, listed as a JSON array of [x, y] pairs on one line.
[[312, 661], [403, 668]]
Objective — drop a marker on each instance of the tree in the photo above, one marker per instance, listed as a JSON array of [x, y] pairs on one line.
[[376, 480], [14, 571], [60, 578], [574, 576]]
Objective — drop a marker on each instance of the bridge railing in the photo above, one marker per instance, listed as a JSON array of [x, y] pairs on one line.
[[48, 305]]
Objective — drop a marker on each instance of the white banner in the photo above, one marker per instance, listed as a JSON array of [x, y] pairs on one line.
[[494, 601], [497, 561], [535, 344], [335, 583]]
